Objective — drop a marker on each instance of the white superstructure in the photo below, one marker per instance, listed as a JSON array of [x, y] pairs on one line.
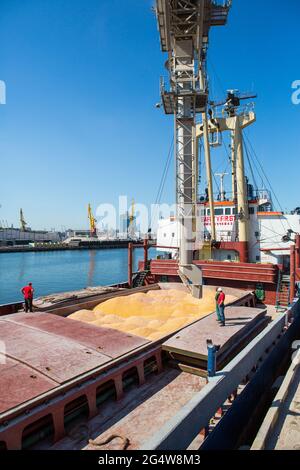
[[267, 229]]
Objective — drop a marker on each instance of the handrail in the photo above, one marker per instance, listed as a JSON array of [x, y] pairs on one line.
[[278, 288]]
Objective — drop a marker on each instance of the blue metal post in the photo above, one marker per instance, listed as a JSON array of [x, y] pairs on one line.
[[211, 358]]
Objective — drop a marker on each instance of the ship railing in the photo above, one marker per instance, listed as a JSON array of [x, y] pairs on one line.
[[222, 236], [245, 109], [253, 195]]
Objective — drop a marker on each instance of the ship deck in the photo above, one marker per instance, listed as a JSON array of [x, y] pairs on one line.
[[38, 346], [189, 345], [51, 363]]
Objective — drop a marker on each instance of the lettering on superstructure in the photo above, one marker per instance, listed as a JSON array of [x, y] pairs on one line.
[[220, 220]]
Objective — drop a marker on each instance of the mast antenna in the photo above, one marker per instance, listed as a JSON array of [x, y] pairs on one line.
[[222, 190]]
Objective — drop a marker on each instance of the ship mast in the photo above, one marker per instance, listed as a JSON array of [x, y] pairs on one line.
[[222, 190], [184, 28], [236, 119]]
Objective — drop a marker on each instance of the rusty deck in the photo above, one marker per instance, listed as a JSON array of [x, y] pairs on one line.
[[43, 351], [49, 361]]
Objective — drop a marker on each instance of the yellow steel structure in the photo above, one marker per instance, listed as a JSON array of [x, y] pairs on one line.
[[93, 221]]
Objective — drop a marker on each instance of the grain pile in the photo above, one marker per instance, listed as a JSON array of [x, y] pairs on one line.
[[151, 315]]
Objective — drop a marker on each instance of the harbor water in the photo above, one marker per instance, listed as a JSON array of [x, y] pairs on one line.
[[62, 271]]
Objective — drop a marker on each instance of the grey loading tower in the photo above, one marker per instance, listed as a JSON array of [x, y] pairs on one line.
[[184, 27]]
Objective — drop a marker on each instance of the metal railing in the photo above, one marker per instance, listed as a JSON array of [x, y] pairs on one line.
[[254, 195]]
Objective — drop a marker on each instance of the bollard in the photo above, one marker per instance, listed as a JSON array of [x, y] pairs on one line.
[[211, 358]]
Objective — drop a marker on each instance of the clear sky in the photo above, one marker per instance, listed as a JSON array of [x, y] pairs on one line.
[[80, 123]]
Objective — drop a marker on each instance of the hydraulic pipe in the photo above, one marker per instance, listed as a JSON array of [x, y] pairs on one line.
[[130, 261], [145, 253], [292, 273], [209, 175]]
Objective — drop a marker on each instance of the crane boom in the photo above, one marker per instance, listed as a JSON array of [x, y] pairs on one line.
[[93, 229]]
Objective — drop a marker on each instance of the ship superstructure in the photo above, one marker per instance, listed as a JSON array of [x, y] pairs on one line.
[[241, 224], [269, 230]]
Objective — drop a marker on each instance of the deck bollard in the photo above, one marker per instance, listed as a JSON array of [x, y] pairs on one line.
[[211, 358]]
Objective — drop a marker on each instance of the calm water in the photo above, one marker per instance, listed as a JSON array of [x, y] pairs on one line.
[[61, 271]]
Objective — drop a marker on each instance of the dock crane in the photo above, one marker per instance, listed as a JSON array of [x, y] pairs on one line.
[[23, 223], [93, 221], [184, 27]]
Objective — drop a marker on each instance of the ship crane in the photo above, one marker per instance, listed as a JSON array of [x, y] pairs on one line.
[[93, 221], [184, 27], [235, 118], [23, 223], [233, 101]]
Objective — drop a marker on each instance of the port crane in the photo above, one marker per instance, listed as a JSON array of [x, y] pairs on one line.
[[93, 221], [184, 27], [23, 223]]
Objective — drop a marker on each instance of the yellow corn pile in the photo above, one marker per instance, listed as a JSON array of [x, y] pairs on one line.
[[151, 315]]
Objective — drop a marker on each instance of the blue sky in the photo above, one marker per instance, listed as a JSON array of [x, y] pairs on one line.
[[80, 123]]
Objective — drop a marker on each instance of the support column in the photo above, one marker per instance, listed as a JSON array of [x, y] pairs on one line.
[[242, 199], [233, 169], [59, 423], [130, 261], [184, 150]]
